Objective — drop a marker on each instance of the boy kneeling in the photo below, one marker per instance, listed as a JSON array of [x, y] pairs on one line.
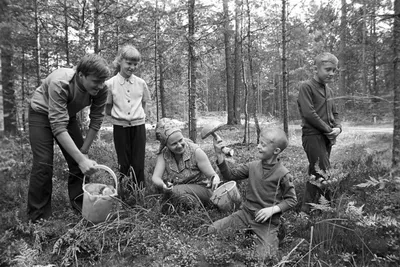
[[270, 192]]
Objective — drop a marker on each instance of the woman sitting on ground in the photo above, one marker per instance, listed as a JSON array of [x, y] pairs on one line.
[[189, 174]]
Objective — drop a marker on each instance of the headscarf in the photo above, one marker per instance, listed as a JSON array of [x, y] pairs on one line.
[[164, 129]]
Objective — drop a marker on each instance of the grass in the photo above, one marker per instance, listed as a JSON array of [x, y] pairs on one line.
[[361, 228]]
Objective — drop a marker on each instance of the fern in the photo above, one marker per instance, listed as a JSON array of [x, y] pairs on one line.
[[372, 182], [323, 205], [353, 212], [27, 256]]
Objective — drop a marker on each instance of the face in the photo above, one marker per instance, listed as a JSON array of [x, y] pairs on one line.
[[91, 83], [127, 67], [176, 144], [325, 72], [267, 148]]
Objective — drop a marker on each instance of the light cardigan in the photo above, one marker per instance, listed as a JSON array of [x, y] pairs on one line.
[[126, 97]]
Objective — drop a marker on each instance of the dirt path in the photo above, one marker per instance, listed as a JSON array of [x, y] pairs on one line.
[[384, 128]]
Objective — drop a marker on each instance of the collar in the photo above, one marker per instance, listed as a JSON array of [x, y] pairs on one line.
[[323, 85], [122, 80], [77, 84], [267, 166], [178, 167]]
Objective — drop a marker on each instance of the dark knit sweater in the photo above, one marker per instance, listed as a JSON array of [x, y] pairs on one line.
[[268, 185], [317, 108]]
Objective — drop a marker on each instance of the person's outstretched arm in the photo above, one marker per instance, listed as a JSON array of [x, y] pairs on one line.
[[86, 165], [238, 173], [205, 167], [159, 172]]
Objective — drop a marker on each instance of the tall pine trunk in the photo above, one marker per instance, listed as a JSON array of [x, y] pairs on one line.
[[228, 66], [66, 34], [396, 83], [9, 107], [96, 25], [237, 68], [342, 55], [284, 72], [192, 73]]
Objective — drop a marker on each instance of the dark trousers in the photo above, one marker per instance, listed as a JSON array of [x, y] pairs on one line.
[[40, 184], [318, 149], [130, 145]]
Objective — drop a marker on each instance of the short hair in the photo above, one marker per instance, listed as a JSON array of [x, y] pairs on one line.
[[93, 64], [128, 52], [325, 57], [277, 136]]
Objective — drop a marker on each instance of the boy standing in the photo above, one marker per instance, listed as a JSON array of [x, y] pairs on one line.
[[52, 115], [270, 191], [126, 104], [320, 123]]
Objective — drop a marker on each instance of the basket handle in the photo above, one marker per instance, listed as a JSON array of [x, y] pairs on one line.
[[104, 167]]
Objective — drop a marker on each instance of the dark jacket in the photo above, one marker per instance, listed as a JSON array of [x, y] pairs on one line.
[[317, 108]]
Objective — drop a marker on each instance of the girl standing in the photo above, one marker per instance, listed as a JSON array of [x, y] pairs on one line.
[[126, 104]]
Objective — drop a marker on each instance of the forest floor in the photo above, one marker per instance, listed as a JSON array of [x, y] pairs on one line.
[[361, 227]]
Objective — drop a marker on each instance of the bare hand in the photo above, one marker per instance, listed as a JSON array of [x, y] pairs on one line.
[[335, 132], [264, 214], [88, 166], [167, 186], [215, 181], [218, 145]]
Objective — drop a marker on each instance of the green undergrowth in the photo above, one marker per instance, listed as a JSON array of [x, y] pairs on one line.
[[360, 227]]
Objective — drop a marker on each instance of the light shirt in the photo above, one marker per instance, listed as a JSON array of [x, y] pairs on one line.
[[126, 97]]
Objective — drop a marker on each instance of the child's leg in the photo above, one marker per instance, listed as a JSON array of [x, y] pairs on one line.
[[267, 242], [122, 142], [137, 152], [317, 148], [237, 220]]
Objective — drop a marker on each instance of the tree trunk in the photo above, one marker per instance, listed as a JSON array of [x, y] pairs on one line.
[[161, 85], [238, 43], [364, 50], [342, 55], [6, 44], [66, 35], [246, 100], [396, 103], [192, 74], [374, 90], [1, 100], [251, 75], [23, 119], [284, 72], [228, 66], [156, 58], [38, 48], [96, 25], [277, 96]]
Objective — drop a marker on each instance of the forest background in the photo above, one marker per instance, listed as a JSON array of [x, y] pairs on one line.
[[234, 61], [234, 56]]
